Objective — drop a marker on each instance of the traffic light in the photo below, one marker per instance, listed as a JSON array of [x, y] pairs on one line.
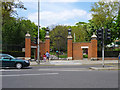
[[100, 34], [107, 34], [35, 40]]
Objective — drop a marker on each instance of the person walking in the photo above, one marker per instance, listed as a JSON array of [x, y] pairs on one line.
[[44, 57], [47, 55]]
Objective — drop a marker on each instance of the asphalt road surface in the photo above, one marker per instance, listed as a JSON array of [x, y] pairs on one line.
[[58, 77]]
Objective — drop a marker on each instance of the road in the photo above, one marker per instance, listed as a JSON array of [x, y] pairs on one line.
[[58, 77]]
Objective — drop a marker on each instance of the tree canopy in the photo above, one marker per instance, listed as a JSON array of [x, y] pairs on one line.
[[14, 29], [104, 14]]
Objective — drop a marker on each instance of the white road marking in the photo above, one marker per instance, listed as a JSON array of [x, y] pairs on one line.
[[29, 74], [81, 69], [9, 70], [51, 69]]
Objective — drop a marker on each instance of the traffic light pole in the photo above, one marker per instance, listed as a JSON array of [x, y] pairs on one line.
[[103, 47]]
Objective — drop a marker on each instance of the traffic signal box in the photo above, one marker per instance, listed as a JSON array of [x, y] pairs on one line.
[[99, 34], [35, 40], [107, 34]]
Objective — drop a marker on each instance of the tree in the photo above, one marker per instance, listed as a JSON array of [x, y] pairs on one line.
[[8, 10], [117, 26], [14, 31], [58, 37], [104, 15], [10, 24], [81, 31]]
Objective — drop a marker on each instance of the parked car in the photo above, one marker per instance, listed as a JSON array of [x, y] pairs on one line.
[[7, 60]]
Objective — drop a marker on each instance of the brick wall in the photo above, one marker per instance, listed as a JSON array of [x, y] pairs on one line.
[[93, 48], [78, 52], [107, 58], [69, 48], [27, 48], [42, 48], [47, 45]]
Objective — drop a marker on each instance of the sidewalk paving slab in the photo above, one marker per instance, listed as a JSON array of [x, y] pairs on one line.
[[107, 63], [104, 68], [74, 62]]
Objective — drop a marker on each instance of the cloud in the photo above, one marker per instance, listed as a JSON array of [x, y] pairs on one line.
[[48, 18], [58, 0]]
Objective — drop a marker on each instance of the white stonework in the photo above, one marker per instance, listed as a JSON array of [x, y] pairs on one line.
[[69, 58], [47, 36], [27, 58], [69, 36], [28, 35], [84, 47], [93, 36]]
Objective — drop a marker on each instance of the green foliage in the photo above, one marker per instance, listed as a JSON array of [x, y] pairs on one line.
[[85, 56], [59, 34], [104, 15], [14, 29], [80, 31], [58, 38], [116, 29], [116, 49], [84, 31], [8, 10], [63, 56], [42, 34]]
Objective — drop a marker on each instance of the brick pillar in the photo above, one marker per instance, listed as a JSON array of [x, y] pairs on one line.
[[69, 48], [27, 46], [47, 43], [94, 46]]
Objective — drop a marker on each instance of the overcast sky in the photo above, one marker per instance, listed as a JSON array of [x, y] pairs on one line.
[[54, 12]]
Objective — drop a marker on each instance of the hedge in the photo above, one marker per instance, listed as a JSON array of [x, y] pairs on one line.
[[108, 53], [15, 54]]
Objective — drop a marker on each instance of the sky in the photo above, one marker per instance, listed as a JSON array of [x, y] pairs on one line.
[[57, 12]]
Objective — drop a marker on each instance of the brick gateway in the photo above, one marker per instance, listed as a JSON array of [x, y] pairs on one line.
[[74, 49]]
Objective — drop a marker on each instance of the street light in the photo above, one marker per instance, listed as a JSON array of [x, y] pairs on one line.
[[69, 31], [38, 49], [47, 31], [103, 46]]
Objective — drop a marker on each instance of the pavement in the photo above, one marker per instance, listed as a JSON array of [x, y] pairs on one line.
[[108, 64]]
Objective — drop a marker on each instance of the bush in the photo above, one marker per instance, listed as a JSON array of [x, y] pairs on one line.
[[15, 54], [108, 53], [85, 56]]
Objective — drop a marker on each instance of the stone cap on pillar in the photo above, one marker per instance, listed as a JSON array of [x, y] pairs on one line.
[[94, 36], [69, 37], [47, 37], [27, 35]]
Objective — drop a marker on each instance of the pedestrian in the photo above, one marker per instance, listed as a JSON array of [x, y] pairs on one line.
[[44, 57], [47, 55]]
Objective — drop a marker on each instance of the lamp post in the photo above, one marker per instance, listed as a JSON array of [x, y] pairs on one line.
[[103, 46], [47, 31], [38, 49], [69, 32]]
